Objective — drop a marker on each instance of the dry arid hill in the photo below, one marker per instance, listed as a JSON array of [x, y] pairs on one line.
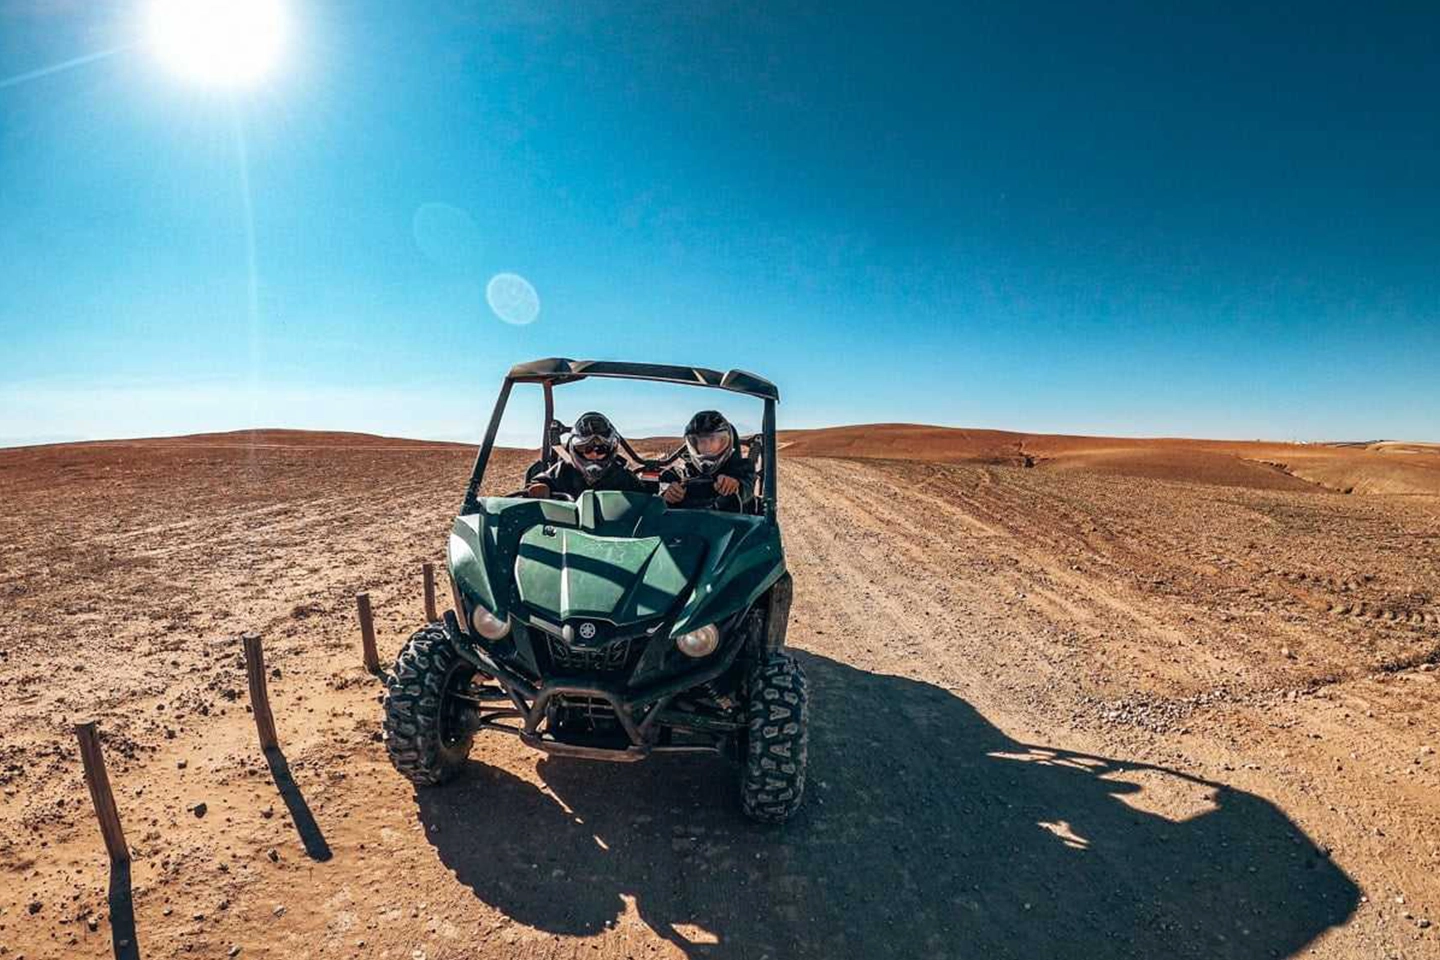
[[264, 437], [1381, 467], [1142, 699]]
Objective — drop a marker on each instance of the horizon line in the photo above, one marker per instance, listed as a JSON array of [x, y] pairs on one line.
[[58, 440]]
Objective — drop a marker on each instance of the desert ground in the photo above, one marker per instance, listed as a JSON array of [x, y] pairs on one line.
[[1071, 697]]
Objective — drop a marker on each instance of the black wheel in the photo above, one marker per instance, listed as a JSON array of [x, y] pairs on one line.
[[427, 732], [772, 783]]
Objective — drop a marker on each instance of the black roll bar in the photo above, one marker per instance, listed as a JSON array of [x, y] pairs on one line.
[[471, 504], [768, 429]]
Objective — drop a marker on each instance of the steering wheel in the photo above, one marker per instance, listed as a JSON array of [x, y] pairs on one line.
[[694, 492]]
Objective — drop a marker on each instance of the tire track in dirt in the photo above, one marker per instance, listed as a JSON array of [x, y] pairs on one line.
[[1038, 574]]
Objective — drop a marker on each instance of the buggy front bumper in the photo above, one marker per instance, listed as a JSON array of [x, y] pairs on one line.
[[638, 712]]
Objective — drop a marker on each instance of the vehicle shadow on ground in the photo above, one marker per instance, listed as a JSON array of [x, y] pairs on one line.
[[926, 832]]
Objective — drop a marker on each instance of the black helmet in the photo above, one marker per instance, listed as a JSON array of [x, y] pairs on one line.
[[592, 445], [709, 441]]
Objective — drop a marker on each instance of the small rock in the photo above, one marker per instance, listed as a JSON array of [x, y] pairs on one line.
[[92, 923], [34, 907], [274, 856], [235, 950], [267, 813], [1422, 923], [181, 764], [279, 911], [199, 809]]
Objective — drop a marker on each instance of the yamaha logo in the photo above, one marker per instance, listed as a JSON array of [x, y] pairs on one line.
[[587, 631]]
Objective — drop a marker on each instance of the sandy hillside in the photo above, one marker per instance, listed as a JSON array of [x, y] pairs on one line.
[[1097, 707], [1382, 467]]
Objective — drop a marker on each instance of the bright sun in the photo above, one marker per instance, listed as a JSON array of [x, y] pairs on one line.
[[225, 43]]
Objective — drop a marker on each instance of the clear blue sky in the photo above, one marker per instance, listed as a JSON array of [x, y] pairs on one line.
[[1051, 217]]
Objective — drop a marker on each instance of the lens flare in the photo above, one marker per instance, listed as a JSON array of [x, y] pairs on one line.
[[512, 298]]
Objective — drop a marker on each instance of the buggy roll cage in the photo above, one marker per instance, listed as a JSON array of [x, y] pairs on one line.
[[555, 371]]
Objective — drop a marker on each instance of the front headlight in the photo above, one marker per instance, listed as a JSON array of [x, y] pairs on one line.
[[699, 643], [488, 625]]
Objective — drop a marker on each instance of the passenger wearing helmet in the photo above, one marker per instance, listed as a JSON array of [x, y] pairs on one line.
[[712, 472], [593, 463]]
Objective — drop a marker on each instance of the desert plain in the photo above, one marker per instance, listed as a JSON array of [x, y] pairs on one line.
[[1071, 697]]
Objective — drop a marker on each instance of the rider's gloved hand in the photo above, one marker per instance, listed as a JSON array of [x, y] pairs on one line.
[[538, 491], [726, 485], [673, 493]]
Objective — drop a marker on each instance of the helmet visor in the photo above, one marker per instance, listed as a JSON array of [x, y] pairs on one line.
[[710, 444], [594, 448]]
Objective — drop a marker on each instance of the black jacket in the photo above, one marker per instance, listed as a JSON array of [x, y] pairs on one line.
[[565, 477], [736, 466]]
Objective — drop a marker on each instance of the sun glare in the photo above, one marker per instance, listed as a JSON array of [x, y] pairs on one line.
[[223, 43]]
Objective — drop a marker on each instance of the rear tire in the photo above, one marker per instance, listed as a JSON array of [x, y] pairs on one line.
[[424, 735], [772, 784]]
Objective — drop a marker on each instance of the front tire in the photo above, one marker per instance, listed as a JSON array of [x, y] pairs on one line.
[[425, 733], [772, 783]]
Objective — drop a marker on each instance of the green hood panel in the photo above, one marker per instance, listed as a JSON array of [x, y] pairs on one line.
[[562, 573], [623, 557]]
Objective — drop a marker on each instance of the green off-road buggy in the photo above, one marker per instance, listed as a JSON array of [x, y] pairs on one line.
[[613, 626]]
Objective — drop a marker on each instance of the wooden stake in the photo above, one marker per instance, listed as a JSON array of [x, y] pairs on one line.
[[431, 614], [99, 783], [259, 694], [367, 633]]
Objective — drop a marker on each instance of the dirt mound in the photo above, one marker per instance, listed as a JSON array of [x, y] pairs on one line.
[[281, 437], [1384, 467]]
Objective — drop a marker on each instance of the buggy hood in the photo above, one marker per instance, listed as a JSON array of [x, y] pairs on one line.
[[620, 557]]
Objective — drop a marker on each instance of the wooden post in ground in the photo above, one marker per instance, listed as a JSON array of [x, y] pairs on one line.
[[99, 783], [259, 693], [431, 613], [367, 632]]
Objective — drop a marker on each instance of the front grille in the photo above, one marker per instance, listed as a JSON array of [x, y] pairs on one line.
[[604, 658]]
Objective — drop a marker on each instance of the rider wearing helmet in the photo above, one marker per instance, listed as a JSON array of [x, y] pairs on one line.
[[713, 472], [592, 462]]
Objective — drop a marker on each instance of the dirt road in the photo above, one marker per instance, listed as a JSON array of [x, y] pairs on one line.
[[1055, 715]]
